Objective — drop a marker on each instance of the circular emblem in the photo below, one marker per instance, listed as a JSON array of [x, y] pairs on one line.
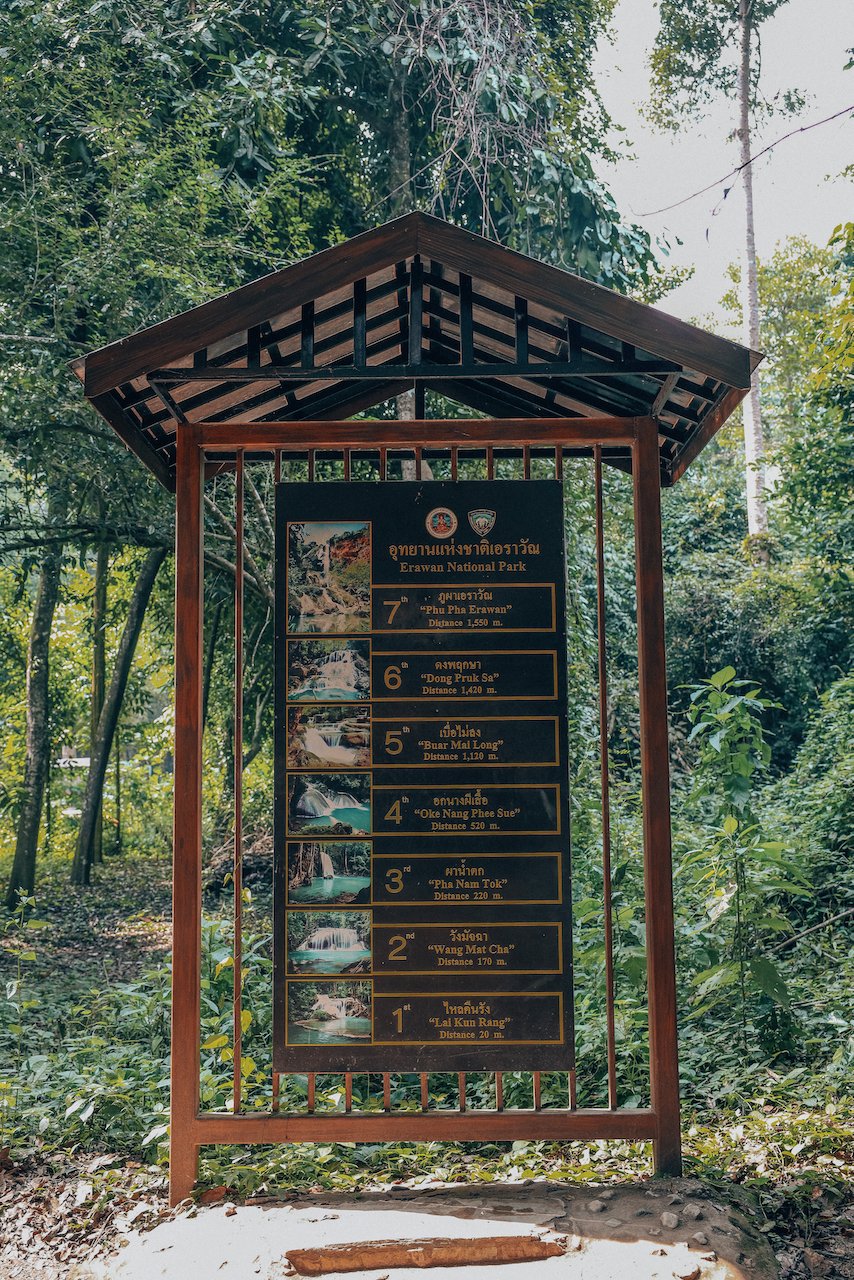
[[441, 523]]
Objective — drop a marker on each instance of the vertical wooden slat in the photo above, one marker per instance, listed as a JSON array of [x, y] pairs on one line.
[[416, 310], [454, 462], [419, 462], [237, 973], [277, 467], [538, 1091], [520, 314], [346, 464], [655, 787], [307, 335], [526, 462], [277, 1083], [558, 463], [425, 1091], [360, 351], [253, 347], [499, 1091], [490, 463], [461, 1090], [573, 1090], [604, 774], [386, 1091], [187, 847], [310, 465], [573, 341], [310, 1086], [348, 1091], [466, 320]]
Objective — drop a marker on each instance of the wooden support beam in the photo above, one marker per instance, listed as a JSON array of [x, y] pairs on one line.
[[187, 847], [426, 1126], [436, 433], [655, 786], [479, 362]]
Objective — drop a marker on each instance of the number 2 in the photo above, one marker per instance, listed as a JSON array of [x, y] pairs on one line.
[[397, 947]]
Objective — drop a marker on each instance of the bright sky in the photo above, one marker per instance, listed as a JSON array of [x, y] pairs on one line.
[[796, 187], [318, 532]]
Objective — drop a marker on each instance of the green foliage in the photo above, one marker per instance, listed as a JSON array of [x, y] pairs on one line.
[[725, 714], [788, 626], [815, 805], [694, 55], [745, 879]]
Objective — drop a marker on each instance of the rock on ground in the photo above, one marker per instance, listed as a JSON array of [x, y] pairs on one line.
[[648, 1232]]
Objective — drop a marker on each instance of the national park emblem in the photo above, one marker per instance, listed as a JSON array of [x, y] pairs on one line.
[[441, 523], [482, 521]]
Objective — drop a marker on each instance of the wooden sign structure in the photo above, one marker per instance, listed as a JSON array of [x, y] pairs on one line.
[[421, 735], [271, 375]]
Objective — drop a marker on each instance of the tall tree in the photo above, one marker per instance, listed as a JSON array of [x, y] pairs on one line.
[[481, 111], [706, 47], [108, 720], [99, 673], [36, 761], [131, 186]]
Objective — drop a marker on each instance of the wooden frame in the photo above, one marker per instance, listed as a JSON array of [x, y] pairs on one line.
[[417, 304], [190, 1128]]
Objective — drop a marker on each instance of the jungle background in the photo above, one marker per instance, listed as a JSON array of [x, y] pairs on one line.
[[149, 161]]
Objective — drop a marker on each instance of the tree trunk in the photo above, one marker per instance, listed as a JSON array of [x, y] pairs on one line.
[[399, 147], [754, 445], [99, 675], [117, 761], [36, 763], [108, 719], [210, 655]]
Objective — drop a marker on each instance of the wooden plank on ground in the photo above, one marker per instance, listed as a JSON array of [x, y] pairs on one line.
[[439, 1252]]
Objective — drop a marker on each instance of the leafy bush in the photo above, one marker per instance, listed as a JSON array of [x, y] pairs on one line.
[[784, 627]]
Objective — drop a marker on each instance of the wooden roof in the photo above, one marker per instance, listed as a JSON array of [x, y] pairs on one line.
[[417, 302]]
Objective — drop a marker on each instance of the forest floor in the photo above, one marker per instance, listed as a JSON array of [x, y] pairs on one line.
[[65, 1205]]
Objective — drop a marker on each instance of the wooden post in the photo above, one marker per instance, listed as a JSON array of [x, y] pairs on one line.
[[187, 849], [655, 782]]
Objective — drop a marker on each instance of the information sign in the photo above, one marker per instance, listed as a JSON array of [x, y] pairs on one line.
[[422, 917]]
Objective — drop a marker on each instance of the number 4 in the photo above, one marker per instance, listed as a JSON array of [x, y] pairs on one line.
[[394, 814]]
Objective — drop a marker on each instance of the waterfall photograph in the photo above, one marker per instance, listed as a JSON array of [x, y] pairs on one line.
[[328, 670], [329, 871], [328, 1012], [327, 736], [329, 576], [329, 803], [329, 941]]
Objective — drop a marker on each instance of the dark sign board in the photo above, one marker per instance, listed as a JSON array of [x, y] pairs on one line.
[[422, 917]]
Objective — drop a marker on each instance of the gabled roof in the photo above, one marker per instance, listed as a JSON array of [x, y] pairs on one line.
[[417, 302]]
